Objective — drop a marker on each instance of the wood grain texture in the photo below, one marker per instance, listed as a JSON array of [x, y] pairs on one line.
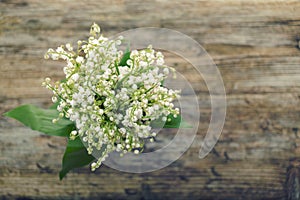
[[253, 43]]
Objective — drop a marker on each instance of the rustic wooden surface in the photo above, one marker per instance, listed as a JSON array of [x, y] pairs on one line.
[[254, 44]]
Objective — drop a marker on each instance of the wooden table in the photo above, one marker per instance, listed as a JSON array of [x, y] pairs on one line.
[[253, 43]]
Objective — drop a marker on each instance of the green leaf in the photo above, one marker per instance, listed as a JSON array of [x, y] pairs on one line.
[[75, 156], [117, 68], [172, 122], [54, 106], [41, 120], [124, 59]]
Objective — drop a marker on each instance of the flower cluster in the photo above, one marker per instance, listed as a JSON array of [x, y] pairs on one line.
[[112, 104]]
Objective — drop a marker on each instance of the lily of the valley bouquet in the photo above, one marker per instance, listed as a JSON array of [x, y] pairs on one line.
[[110, 100]]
